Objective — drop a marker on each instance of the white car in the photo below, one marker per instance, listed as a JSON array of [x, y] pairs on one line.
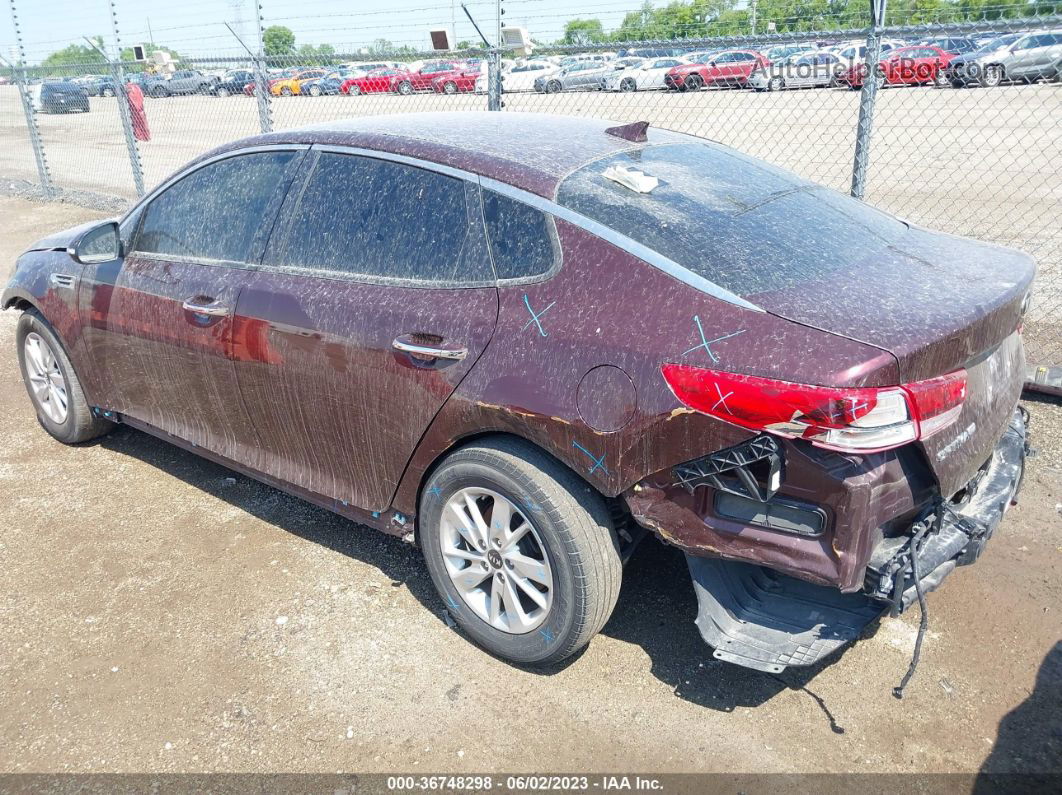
[[647, 76], [520, 78], [853, 52]]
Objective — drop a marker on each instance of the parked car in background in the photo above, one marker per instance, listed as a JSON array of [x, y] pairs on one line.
[[521, 77], [185, 81], [725, 68], [855, 52], [965, 69], [800, 70], [327, 85], [60, 96], [291, 85], [378, 81], [1030, 57], [918, 65], [99, 86], [647, 76], [783, 51], [419, 79], [578, 76], [232, 82], [956, 45], [461, 80], [496, 382]]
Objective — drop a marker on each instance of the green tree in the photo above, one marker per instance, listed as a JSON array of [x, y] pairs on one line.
[[278, 40], [583, 31], [323, 55], [75, 55]]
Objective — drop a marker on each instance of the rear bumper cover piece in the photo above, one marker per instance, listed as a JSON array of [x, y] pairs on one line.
[[762, 619]]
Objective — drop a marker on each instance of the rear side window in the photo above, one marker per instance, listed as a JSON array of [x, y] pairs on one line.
[[521, 237], [384, 220], [736, 221], [214, 212]]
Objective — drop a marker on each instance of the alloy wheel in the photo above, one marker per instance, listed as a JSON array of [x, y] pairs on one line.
[[496, 560], [47, 382]]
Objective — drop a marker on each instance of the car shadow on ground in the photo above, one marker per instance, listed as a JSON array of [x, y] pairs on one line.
[[655, 611], [1027, 755]]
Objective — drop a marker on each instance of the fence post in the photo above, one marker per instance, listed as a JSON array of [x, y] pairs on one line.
[[118, 75], [867, 100], [31, 112], [494, 81], [261, 85]]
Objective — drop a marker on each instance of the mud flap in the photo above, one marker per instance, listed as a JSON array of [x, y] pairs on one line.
[[761, 619]]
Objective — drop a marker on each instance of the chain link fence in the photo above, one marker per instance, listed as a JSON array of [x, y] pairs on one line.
[[954, 126]]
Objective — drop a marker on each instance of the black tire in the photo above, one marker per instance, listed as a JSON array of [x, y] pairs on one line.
[[285, 91], [628, 84], [405, 88], [958, 84], [449, 87], [991, 76], [692, 83], [353, 91], [314, 90], [221, 91], [775, 83], [553, 87], [80, 423], [107, 92], [577, 537]]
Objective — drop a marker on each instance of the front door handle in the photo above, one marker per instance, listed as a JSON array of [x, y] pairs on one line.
[[406, 344], [212, 308]]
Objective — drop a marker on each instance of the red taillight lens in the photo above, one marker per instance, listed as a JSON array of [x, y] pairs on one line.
[[863, 419], [937, 401]]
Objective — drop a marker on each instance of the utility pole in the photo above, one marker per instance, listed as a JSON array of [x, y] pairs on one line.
[[453, 22], [752, 14], [151, 36], [123, 105]]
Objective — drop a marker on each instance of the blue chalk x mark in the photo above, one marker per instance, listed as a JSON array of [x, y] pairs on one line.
[[452, 603], [435, 491], [375, 514], [707, 343], [534, 507], [598, 462], [535, 316], [547, 634]]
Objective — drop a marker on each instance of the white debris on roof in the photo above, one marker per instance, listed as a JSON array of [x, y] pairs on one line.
[[631, 178]]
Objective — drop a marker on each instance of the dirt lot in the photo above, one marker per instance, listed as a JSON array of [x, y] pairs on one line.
[[158, 617], [978, 162]]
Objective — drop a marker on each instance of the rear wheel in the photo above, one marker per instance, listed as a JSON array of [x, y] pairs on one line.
[[941, 80], [315, 91], [553, 86], [693, 83], [775, 84], [628, 84], [522, 552], [222, 91], [449, 87], [52, 384], [285, 91], [354, 90], [405, 88]]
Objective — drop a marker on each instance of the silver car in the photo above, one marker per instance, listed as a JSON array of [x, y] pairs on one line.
[[1032, 57], [580, 76], [802, 70]]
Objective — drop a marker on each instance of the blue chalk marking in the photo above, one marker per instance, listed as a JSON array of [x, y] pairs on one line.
[[546, 633], [452, 603], [707, 343], [534, 507], [435, 491], [375, 514], [598, 462], [535, 317]]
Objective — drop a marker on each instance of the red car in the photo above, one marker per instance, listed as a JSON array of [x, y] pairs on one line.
[[459, 81], [727, 68], [923, 64], [378, 81]]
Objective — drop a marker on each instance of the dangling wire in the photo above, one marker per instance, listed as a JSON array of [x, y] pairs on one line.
[[916, 572]]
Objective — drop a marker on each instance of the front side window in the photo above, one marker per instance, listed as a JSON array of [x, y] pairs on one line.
[[383, 220], [214, 212]]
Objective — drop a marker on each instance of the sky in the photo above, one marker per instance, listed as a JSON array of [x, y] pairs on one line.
[[196, 27]]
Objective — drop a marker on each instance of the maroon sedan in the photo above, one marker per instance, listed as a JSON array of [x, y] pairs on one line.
[[576, 334]]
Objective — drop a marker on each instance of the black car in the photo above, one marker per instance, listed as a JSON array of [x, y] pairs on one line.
[[319, 86], [63, 97], [232, 82]]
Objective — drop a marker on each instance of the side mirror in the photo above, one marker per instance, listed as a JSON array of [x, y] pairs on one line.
[[101, 243]]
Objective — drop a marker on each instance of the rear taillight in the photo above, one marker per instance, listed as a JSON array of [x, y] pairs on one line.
[[859, 419]]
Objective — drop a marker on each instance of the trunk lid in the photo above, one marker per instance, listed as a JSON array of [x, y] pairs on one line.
[[936, 303]]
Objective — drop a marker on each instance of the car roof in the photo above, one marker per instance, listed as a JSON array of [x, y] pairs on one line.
[[530, 151]]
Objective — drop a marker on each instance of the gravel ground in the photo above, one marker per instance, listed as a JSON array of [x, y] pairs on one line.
[[162, 614]]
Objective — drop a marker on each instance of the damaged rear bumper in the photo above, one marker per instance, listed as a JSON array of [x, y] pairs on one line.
[[762, 619]]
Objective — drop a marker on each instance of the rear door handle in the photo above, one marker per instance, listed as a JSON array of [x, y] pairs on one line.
[[213, 308], [405, 344]]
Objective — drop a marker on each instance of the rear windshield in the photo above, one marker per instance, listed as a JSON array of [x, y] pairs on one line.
[[734, 220]]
